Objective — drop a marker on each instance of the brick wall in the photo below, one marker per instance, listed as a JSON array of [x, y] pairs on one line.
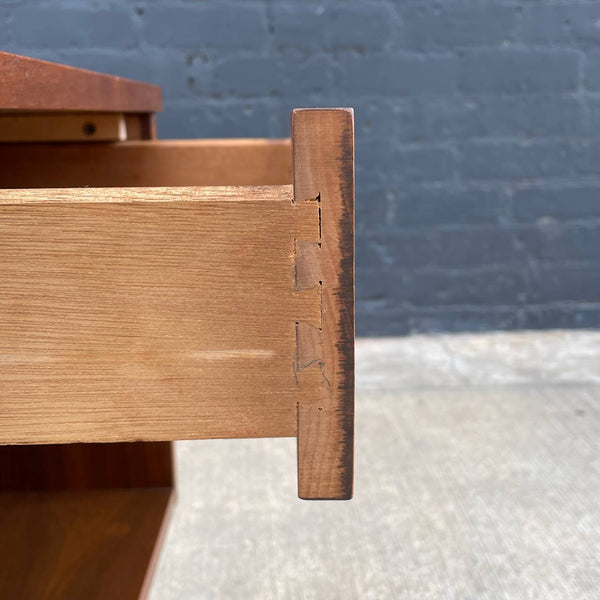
[[478, 140]]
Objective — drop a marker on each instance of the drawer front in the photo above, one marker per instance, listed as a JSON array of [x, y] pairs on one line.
[[131, 313]]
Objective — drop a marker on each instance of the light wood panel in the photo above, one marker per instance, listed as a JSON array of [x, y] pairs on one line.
[[147, 163], [151, 313], [87, 545], [61, 127], [323, 163], [33, 84]]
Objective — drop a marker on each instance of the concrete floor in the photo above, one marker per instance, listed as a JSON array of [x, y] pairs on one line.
[[477, 476]]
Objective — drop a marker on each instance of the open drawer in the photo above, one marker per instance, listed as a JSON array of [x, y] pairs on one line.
[[155, 291]]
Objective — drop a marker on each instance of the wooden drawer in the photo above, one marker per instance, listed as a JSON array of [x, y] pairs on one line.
[[182, 309]]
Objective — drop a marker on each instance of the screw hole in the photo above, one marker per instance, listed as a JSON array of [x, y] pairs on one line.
[[89, 128]]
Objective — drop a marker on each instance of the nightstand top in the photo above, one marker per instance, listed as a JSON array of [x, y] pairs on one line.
[[29, 84]]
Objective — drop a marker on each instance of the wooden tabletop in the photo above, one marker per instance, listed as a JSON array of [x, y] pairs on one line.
[[30, 84]]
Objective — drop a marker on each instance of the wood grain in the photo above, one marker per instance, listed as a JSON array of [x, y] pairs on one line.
[[32, 84], [323, 165], [308, 265], [147, 163], [151, 313], [85, 466], [86, 545]]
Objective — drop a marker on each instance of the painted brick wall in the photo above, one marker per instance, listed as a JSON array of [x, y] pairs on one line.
[[478, 131]]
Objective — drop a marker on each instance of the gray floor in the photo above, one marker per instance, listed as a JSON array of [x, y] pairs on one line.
[[477, 476]]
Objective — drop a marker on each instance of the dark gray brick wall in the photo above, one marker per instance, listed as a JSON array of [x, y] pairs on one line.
[[478, 131]]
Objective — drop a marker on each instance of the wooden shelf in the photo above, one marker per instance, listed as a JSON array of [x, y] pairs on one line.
[[88, 545]]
